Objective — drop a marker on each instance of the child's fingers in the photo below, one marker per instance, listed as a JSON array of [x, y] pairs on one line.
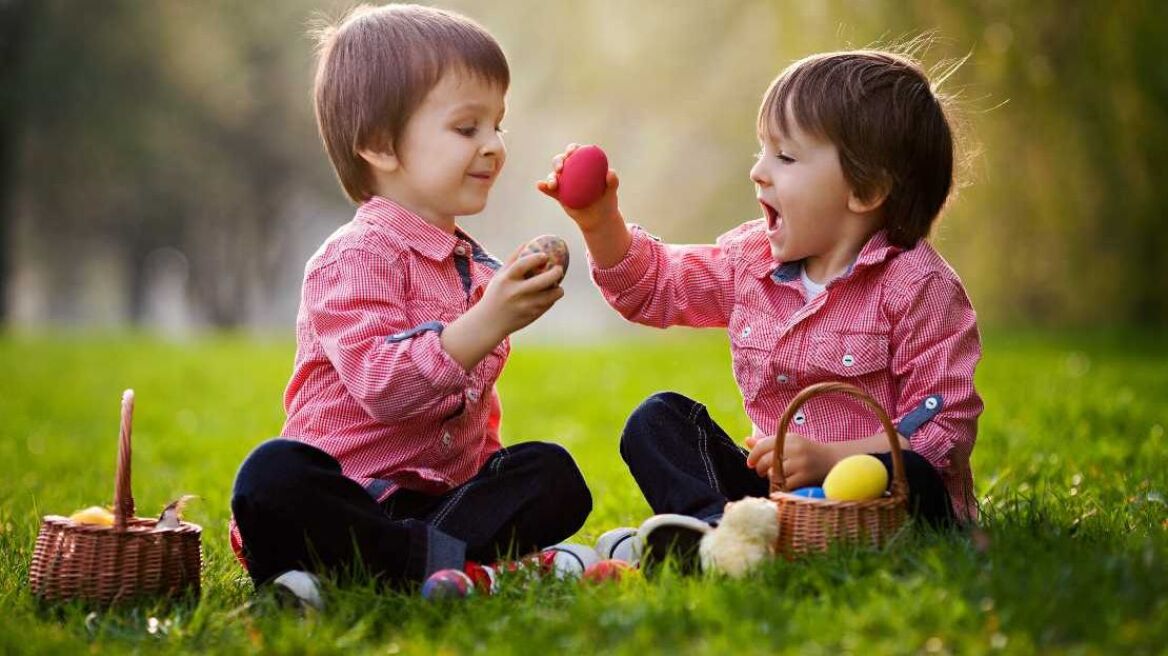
[[558, 160], [526, 264], [514, 256], [763, 466], [761, 447], [544, 280]]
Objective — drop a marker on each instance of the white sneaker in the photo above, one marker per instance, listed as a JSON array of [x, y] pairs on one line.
[[299, 587], [569, 560], [620, 544], [672, 536]]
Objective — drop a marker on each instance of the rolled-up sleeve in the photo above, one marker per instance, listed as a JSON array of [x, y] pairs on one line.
[[936, 349], [395, 371], [661, 285]]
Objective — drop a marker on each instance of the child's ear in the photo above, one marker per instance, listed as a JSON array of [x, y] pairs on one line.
[[380, 159], [871, 201]]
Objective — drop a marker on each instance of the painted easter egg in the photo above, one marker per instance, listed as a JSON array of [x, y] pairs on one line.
[[447, 584], [582, 180], [93, 516], [810, 492], [856, 478], [607, 571], [555, 248]]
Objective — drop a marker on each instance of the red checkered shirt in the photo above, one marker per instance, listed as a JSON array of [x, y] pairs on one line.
[[898, 324], [371, 384]]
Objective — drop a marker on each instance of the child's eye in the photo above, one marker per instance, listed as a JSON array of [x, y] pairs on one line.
[[467, 132], [785, 158], [500, 129]]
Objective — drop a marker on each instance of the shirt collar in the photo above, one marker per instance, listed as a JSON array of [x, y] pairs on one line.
[[428, 240], [877, 250]]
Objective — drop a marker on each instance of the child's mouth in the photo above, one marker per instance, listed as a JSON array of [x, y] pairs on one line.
[[772, 216]]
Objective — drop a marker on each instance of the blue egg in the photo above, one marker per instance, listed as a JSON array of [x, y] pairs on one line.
[[810, 492]]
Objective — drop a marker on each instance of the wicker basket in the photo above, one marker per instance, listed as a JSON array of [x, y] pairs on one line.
[[808, 525], [109, 564]]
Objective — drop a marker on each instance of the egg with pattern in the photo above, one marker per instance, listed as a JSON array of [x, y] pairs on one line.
[[554, 247]]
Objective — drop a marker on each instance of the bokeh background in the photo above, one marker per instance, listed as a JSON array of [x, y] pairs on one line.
[[160, 168]]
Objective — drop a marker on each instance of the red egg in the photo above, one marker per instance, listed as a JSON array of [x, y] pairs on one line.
[[607, 570], [556, 249], [582, 180]]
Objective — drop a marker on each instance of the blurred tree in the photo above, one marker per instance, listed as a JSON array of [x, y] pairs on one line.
[[15, 20], [130, 127]]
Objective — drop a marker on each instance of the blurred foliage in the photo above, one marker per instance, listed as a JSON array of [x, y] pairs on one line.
[[127, 127]]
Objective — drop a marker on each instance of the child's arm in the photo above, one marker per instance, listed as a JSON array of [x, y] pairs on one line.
[[509, 303], [645, 280], [935, 350], [356, 305]]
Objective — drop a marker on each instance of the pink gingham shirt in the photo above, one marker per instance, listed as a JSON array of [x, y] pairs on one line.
[[371, 384], [898, 324]]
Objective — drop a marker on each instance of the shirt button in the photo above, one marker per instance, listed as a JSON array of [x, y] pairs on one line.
[[746, 331], [782, 378], [800, 418], [931, 403], [446, 439], [848, 360], [460, 250], [472, 394]]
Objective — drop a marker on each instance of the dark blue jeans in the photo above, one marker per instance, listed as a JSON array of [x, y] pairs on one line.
[[296, 510], [685, 463]]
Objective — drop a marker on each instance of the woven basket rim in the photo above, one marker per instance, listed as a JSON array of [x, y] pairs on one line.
[[134, 525], [878, 503]]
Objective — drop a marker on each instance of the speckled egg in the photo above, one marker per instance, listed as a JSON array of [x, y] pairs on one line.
[[447, 584], [556, 249]]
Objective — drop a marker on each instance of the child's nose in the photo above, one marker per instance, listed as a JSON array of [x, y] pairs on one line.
[[494, 145], [758, 176]]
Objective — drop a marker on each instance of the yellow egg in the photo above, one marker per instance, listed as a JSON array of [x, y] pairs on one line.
[[856, 478], [93, 515]]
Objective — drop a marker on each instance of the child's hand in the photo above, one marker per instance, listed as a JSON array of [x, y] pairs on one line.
[[512, 301], [805, 462], [603, 212]]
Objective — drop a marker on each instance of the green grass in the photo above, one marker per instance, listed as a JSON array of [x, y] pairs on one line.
[[1070, 459]]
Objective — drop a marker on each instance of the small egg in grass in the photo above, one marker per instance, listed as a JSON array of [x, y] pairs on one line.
[[447, 584], [555, 248], [607, 571]]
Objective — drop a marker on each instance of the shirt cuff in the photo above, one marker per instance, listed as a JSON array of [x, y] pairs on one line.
[[632, 268], [442, 371]]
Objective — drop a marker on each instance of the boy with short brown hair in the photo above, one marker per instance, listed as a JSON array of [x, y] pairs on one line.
[[391, 455]]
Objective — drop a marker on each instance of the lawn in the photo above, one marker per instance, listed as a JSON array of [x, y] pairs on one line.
[[1072, 556]]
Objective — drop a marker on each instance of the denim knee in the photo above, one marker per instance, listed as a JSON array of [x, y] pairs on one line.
[[274, 470], [654, 413], [561, 477]]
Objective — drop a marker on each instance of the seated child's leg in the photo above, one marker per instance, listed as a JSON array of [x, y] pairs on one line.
[[295, 510], [928, 499], [525, 497], [684, 462]]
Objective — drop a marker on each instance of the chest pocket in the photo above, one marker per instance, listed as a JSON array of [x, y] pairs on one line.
[[753, 339], [838, 356]]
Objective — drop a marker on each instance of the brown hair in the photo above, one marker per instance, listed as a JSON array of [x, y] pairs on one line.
[[375, 68], [888, 124]]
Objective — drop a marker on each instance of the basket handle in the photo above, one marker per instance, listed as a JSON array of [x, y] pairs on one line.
[[123, 497], [779, 478]]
